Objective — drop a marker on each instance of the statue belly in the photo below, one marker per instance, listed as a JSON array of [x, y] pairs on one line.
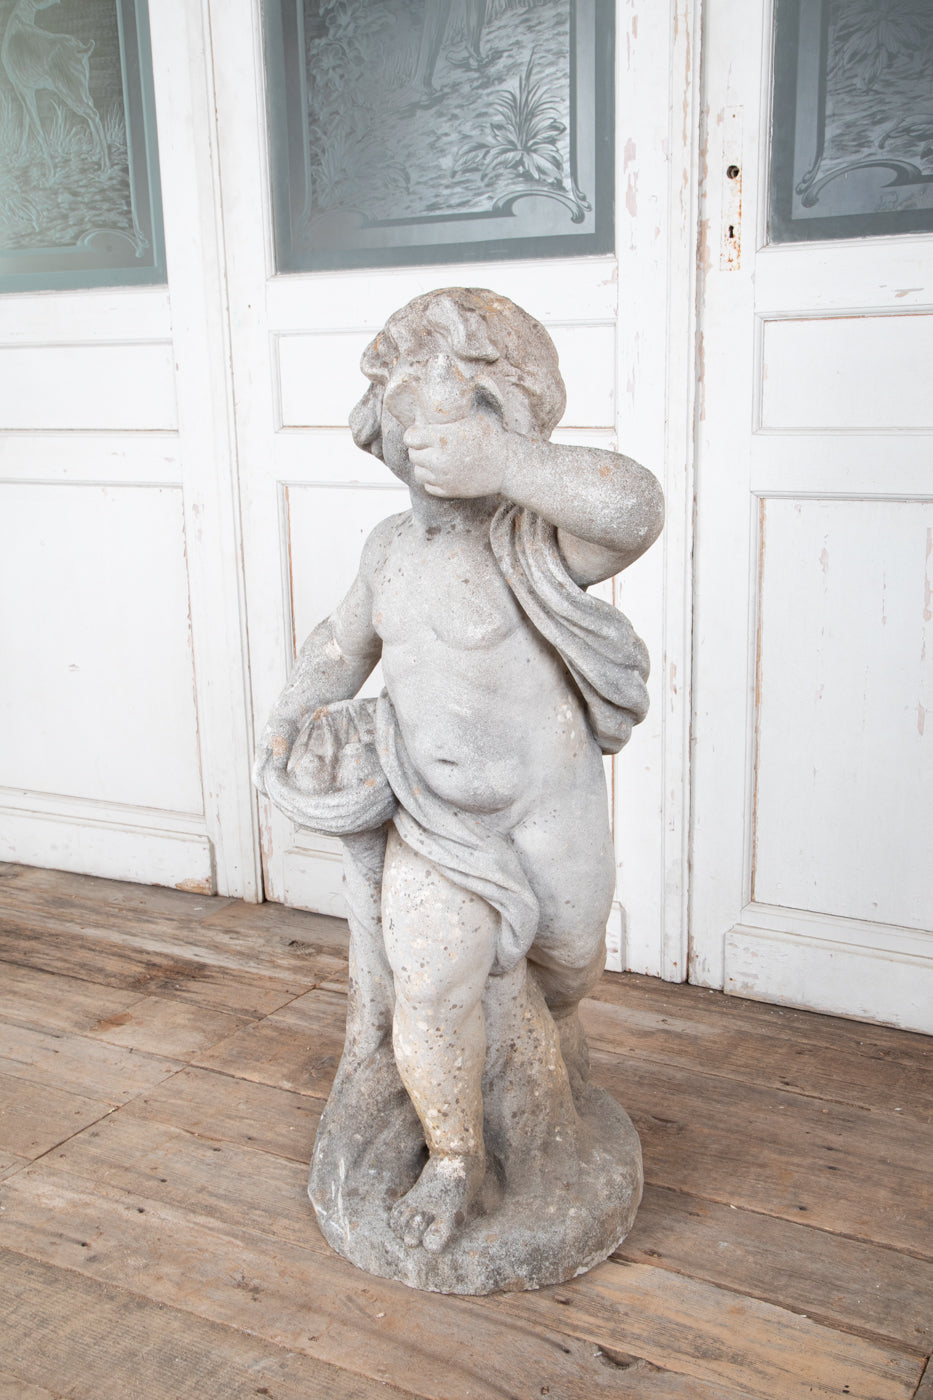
[[483, 740]]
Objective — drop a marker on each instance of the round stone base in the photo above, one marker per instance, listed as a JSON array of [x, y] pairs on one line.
[[571, 1209]]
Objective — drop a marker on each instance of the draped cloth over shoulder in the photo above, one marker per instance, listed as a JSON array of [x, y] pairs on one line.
[[597, 644], [353, 772]]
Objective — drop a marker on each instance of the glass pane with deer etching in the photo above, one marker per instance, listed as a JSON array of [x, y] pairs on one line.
[[79, 181]]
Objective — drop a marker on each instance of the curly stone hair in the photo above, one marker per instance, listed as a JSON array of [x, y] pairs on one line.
[[519, 371]]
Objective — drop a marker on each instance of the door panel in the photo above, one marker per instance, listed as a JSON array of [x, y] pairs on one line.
[[843, 824], [846, 373], [101, 618], [99, 760], [114, 387]]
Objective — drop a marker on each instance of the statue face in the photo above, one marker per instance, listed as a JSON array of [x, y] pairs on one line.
[[432, 387], [393, 450], [426, 384]]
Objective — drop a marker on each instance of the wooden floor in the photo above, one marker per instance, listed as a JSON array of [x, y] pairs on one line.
[[163, 1061]]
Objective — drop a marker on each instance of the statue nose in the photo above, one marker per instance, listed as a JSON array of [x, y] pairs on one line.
[[402, 398]]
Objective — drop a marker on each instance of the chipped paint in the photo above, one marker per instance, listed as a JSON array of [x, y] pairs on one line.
[[631, 187], [195, 886], [704, 256]]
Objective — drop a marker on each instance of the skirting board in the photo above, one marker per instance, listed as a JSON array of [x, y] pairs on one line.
[[314, 876], [118, 843], [884, 984]]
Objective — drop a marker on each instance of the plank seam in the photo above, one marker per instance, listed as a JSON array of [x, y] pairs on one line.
[[792, 1220], [826, 1320]]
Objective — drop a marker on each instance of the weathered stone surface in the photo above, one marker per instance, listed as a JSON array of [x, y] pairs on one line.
[[462, 1148]]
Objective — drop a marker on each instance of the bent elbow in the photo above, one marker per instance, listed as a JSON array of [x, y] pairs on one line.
[[645, 515], [654, 511]]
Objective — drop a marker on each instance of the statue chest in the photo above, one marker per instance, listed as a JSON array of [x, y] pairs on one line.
[[447, 589]]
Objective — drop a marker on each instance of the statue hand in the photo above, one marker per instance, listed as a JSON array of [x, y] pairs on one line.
[[460, 460]]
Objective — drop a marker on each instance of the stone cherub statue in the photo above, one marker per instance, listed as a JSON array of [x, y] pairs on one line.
[[462, 1148]]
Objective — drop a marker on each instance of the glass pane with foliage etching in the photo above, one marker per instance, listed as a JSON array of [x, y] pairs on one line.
[[852, 120], [414, 131]]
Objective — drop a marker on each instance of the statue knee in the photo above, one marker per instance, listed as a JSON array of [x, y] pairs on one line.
[[435, 1001], [566, 980]]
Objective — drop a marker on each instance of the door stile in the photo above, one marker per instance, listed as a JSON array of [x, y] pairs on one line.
[[207, 436]]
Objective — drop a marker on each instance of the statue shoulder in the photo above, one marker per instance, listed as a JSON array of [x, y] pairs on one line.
[[379, 542]]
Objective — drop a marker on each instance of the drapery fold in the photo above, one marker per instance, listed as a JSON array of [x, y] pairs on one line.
[[597, 643]]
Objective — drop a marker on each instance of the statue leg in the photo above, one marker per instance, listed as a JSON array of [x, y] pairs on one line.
[[441, 943], [571, 868], [369, 1139]]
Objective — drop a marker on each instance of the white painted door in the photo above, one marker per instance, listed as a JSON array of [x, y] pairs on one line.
[[621, 324], [812, 857], [123, 704]]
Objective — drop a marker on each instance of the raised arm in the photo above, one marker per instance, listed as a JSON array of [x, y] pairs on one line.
[[606, 507], [332, 664]]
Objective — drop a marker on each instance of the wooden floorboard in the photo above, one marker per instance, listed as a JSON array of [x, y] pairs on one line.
[[10, 1163], [80, 1338], [240, 989], [925, 1388], [79, 1064], [773, 1047], [164, 1060], [847, 1283]]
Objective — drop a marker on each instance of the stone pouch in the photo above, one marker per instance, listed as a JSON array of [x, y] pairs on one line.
[[335, 770]]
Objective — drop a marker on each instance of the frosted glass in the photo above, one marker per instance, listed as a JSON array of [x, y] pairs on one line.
[[79, 182], [852, 121], [416, 131]]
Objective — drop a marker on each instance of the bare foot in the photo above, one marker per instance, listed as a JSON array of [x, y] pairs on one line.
[[437, 1203]]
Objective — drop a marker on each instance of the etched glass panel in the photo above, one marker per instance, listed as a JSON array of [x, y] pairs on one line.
[[79, 172], [416, 131], [852, 118]]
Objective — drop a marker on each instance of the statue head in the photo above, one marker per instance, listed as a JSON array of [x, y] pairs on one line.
[[452, 351]]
